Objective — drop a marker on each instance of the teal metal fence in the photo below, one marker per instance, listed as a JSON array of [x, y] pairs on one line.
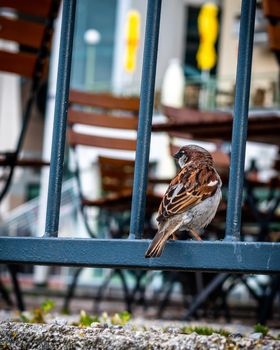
[[229, 254]]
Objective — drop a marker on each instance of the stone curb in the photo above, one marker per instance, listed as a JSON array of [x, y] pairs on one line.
[[24, 336]]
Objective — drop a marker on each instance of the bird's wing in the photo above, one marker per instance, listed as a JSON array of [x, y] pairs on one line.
[[188, 188]]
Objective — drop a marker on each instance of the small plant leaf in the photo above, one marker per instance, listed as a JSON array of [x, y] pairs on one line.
[[104, 317], [121, 318], [47, 306], [38, 316], [24, 318], [125, 316], [86, 320], [259, 328], [204, 330]]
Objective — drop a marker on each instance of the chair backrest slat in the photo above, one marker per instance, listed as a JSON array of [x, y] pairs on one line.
[[102, 120], [31, 29], [116, 174], [109, 112], [19, 63], [76, 138], [21, 31], [271, 8], [105, 101], [39, 8], [106, 111], [274, 36]]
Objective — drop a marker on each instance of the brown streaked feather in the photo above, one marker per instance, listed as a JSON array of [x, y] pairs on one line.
[[197, 181], [156, 247], [187, 189]]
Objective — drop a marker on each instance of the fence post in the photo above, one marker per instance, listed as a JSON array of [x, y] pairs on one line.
[[145, 119], [60, 118], [240, 121]]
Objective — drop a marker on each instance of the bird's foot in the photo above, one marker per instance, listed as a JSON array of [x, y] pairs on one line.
[[195, 235]]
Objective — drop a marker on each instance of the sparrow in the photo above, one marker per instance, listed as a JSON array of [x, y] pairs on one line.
[[191, 200]]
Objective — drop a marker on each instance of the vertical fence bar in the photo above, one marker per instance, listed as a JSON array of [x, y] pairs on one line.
[[145, 118], [240, 121], [60, 118]]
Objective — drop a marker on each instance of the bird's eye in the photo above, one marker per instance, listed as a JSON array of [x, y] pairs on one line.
[[178, 155], [183, 154]]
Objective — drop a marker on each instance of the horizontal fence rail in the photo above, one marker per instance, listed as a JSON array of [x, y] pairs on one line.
[[178, 255], [227, 255]]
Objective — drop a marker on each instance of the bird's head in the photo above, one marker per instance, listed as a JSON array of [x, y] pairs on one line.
[[192, 153]]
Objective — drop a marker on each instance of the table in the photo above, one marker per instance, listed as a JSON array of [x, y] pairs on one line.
[[213, 126]]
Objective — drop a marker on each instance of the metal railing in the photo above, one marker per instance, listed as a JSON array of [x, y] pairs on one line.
[[23, 220], [229, 254]]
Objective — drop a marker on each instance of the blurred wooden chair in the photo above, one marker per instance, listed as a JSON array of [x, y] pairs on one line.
[[113, 114], [26, 29], [116, 116], [271, 9], [29, 26]]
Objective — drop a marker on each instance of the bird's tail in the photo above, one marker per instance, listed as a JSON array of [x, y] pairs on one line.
[[156, 247]]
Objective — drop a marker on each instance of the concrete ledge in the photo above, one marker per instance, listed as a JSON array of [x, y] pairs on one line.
[[15, 336]]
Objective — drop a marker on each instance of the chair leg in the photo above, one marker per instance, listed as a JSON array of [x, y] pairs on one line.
[[126, 290], [225, 306], [138, 288], [169, 289], [71, 290], [145, 301], [266, 306], [222, 307], [202, 297], [5, 295], [100, 292], [13, 271]]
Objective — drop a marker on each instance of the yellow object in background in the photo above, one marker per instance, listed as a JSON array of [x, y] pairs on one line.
[[208, 31], [132, 40]]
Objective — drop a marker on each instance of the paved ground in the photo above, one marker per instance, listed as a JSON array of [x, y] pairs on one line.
[[142, 332], [145, 331]]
